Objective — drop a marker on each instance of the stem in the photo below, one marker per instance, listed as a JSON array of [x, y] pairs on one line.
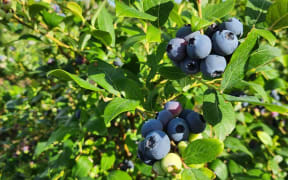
[[205, 83], [200, 12], [59, 43]]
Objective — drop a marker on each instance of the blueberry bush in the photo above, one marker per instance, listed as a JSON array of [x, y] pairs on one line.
[[144, 89]]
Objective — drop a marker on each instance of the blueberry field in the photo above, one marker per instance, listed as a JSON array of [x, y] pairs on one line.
[[143, 89]]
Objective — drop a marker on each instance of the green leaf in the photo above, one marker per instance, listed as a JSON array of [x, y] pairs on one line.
[[107, 161], [258, 89], [267, 35], [153, 34], [41, 147], [147, 4], [52, 19], [84, 38], [118, 106], [194, 174], [218, 113], [116, 175], [262, 56], [236, 68], [105, 23], [103, 36], [29, 37], [61, 74], [175, 17], [202, 151], [265, 138], [75, 9], [283, 109], [277, 16], [220, 169], [235, 145], [122, 10], [217, 11], [197, 23], [82, 167], [171, 72], [101, 80], [96, 14], [36, 8], [133, 40], [160, 9]]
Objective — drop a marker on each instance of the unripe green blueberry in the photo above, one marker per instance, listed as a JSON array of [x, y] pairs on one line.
[[171, 163], [182, 145], [193, 137], [158, 169]]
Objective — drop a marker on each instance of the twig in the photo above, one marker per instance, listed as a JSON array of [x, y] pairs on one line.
[[200, 13]]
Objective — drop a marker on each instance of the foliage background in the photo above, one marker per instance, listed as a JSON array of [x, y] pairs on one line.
[[67, 112]]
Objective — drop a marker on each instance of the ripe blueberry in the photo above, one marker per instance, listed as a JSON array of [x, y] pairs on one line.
[[190, 66], [233, 25], [199, 46], [171, 163], [141, 154], [178, 130], [164, 116], [156, 145], [224, 42], [274, 94], [151, 125], [184, 31], [213, 66], [176, 49], [195, 122], [174, 107], [184, 113], [118, 62], [192, 35]]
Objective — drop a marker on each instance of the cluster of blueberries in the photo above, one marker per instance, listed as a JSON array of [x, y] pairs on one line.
[[193, 52], [172, 123]]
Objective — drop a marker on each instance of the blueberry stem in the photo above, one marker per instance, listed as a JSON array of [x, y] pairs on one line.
[[205, 83], [200, 13]]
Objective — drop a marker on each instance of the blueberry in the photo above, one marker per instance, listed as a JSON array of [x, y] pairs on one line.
[[80, 60], [171, 163], [212, 29], [184, 113], [118, 62], [141, 154], [190, 66], [151, 125], [78, 114], [274, 94], [233, 25], [192, 35], [156, 145], [176, 49], [224, 42], [195, 122], [127, 165], [213, 66], [184, 31], [178, 130], [182, 145], [174, 107], [199, 46], [165, 116]]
